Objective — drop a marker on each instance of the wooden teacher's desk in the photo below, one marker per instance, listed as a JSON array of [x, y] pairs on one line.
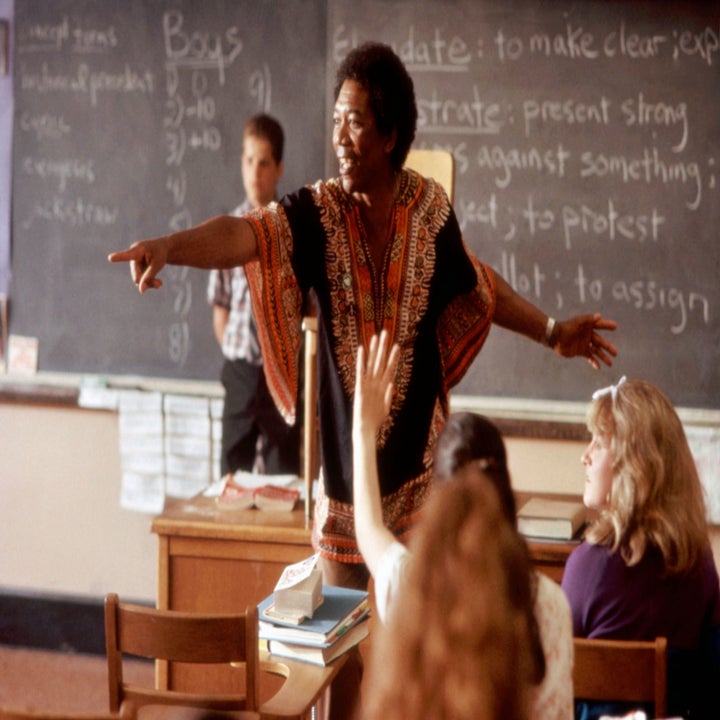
[[216, 560], [223, 560], [213, 560]]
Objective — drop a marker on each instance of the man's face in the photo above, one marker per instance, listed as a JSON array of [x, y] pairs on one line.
[[361, 150]]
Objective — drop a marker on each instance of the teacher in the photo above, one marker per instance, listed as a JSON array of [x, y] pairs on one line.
[[381, 248]]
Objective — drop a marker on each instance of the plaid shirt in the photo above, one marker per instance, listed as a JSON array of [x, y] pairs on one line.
[[229, 289]]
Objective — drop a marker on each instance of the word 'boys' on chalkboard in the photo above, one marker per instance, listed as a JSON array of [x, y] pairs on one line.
[[587, 140]]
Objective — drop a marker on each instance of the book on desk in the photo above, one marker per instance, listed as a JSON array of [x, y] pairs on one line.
[[338, 624], [298, 592], [551, 518], [242, 491], [322, 654]]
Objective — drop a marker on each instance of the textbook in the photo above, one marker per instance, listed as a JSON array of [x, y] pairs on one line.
[[270, 497], [340, 610], [273, 497], [555, 519], [235, 497], [324, 654]]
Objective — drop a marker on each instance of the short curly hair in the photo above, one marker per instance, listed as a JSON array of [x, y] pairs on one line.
[[380, 71]]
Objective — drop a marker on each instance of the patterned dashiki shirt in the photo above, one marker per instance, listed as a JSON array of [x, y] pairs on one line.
[[434, 299]]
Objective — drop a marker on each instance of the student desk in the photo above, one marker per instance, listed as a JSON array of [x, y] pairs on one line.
[[223, 560]]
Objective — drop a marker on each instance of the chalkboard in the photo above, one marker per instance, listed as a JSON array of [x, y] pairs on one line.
[[587, 142], [586, 136], [128, 123]]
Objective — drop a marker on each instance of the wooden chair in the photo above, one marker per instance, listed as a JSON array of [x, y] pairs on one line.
[[181, 637], [622, 670], [436, 164], [168, 635], [126, 712]]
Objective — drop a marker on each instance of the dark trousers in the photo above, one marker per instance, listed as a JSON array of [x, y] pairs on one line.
[[250, 414]]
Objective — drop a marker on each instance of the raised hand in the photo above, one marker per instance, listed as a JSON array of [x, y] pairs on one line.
[[374, 384]]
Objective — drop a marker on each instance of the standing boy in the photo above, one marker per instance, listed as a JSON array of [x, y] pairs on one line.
[[254, 434]]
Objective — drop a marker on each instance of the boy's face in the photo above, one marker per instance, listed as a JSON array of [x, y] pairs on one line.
[[260, 172]]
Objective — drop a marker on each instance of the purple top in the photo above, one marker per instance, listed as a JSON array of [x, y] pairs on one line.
[[608, 599]]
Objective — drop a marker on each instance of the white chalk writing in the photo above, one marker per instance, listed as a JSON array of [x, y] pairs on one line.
[[45, 126], [76, 213], [49, 37], [86, 81], [199, 49], [61, 171]]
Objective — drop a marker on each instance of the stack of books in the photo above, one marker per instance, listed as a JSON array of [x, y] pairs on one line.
[[336, 625]]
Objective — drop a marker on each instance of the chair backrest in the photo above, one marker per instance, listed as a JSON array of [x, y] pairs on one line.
[[622, 670], [183, 637], [436, 164]]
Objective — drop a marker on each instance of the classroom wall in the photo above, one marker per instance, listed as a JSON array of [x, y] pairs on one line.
[[62, 531]]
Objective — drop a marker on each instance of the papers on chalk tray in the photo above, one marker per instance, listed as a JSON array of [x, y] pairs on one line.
[[22, 355]]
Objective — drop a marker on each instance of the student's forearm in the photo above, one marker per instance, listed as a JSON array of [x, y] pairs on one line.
[[372, 536]]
